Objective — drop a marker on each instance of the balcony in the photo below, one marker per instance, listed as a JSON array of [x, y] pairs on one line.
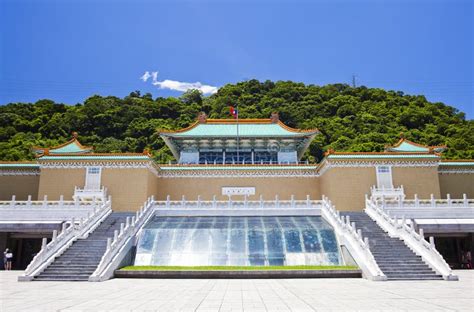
[[87, 195]]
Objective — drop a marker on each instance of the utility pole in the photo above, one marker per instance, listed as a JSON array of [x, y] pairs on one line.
[[353, 80]]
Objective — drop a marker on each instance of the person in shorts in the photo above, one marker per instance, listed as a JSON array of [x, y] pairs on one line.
[[7, 259]]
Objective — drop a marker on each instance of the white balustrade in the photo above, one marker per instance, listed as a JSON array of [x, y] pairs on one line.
[[84, 194], [357, 245], [59, 243], [377, 211], [45, 210], [122, 239], [387, 192], [431, 208]]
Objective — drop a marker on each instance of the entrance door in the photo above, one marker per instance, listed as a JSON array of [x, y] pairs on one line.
[[384, 177], [93, 178]]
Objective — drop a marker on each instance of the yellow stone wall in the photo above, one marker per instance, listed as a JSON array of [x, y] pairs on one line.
[[457, 184], [346, 187], [268, 187], [56, 182], [423, 181], [19, 185]]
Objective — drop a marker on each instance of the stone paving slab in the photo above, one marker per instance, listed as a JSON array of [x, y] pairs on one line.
[[237, 295]]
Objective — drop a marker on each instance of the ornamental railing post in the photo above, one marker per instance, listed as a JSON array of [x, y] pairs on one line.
[[44, 242], [261, 201], [465, 201], [277, 202], [432, 242], [245, 201], [432, 200], [29, 201], [308, 201], [12, 203], [230, 202], [292, 201], [61, 201], [448, 199], [76, 202], [417, 201], [199, 201], [422, 234], [167, 201], [55, 235], [214, 201], [183, 201], [45, 201]]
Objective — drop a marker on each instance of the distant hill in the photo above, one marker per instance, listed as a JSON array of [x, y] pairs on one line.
[[350, 119]]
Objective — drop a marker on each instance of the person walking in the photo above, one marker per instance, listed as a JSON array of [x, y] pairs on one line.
[[7, 259]]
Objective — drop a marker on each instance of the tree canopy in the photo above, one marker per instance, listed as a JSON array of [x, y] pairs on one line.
[[350, 119]]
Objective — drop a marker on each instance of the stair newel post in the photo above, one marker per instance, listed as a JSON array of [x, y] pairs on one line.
[[359, 233], [127, 222], [134, 221], [109, 243], [137, 215], [353, 224], [76, 202], [464, 200], [432, 242], [122, 228], [116, 234], [343, 220], [404, 221], [61, 201], [422, 234], [44, 242], [348, 220], [261, 201], [55, 235], [64, 225], [308, 201], [73, 223]]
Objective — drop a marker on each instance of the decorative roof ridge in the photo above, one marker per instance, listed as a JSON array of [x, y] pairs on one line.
[[145, 153], [403, 139], [74, 140], [240, 121], [332, 152], [18, 162], [236, 165], [313, 130], [457, 160]]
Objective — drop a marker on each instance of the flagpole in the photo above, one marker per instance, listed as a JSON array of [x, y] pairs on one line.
[[238, 158]]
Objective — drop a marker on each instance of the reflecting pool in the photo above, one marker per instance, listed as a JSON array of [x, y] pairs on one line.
[[202, 241]]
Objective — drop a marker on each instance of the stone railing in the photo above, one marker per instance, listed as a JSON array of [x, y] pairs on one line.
[[428, 208], [238, 207], [84, 194], [45, 210], [387, 192], [415, 241], [353, 240], [59, 243], [121, 243]]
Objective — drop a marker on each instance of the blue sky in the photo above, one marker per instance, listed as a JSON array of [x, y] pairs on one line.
[[70, 50]]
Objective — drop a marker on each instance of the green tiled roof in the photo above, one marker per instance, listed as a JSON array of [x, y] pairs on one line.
[[68, 149], [11, 165], [238, 168], [407, 147], [245, 130], [457, 163], [381, 156]]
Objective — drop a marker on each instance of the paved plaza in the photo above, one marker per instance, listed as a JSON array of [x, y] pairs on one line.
[[237, 295]]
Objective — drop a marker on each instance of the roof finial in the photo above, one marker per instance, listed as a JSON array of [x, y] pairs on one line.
[[274, 117], [202, 117], [75, 135]]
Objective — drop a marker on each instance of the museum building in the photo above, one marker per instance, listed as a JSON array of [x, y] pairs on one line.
[[238, 194]]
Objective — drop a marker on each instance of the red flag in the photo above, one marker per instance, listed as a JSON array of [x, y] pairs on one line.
[[234, 112]]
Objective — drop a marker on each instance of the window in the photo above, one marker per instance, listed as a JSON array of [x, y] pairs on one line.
[[384, 176], [93, 178]]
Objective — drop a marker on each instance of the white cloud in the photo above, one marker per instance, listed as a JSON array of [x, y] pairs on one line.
[[178, 85]]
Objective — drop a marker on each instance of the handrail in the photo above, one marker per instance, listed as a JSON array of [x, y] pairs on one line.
[[431, 202], [59, 243], [120, 239], [45, 203], [407, 233], [357, 245], [232, 204]]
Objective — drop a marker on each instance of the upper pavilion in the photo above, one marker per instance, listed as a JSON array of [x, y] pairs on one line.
[[244, 141], [71, 147]]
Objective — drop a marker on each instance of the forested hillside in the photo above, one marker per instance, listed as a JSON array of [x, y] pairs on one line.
[[350, 119]]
